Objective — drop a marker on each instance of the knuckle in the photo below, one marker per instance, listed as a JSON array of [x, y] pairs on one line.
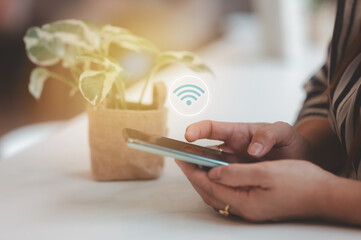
[[287, 131], [206, 128], [267, 134], [240, 127], [206, 122], [283, 125], [280, 123]]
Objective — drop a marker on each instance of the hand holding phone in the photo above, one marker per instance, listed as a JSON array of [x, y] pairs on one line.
[[180, 150]]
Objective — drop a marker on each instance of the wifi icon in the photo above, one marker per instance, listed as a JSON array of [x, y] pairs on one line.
[[189, 93]]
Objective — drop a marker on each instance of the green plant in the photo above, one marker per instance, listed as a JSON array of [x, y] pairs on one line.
[[83, 49]]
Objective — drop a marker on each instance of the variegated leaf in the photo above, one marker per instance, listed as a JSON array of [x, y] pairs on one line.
[[76, 33], [95, 85], [101, 60], [189, 59], [43, 48], [124, 39], [37, 79]]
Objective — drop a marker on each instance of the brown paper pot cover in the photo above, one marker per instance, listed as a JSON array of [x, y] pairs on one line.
[[111, 159]]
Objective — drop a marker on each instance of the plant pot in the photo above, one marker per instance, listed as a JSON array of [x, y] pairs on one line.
[[111, 159]]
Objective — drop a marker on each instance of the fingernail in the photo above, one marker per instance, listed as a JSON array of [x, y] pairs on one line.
[[255, 149], [215, 173]]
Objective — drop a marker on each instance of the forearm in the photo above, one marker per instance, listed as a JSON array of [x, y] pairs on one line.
[[340, 201], [325, 148]]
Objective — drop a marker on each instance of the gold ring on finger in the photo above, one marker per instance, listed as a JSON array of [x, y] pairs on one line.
[[225, 211]]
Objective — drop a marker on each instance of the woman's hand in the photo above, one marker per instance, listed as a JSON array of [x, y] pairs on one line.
[[272, 190], [272, 141]]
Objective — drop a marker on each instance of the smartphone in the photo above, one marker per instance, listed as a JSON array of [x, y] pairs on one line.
[[180, 150]]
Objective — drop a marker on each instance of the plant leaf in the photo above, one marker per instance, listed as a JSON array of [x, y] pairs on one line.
[[37, 79], [75, 33], [124, 39], [101, 60], [61, 40], [95, 85], [43, 48], [77, 37], [189, 59]]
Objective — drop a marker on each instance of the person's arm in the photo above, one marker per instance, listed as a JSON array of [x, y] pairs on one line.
[[341, 201], [326, 149], [313, 124]]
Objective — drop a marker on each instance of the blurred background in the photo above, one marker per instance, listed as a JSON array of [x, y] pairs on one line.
[[240, 39]]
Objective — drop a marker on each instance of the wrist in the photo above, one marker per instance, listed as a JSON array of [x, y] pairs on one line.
[[325, 149], [306, 151], [324, 196], [339, 200]]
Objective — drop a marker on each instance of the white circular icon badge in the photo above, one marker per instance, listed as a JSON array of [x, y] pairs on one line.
[[188, 95]]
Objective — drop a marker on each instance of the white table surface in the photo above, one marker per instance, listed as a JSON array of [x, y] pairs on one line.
[[47, 192]]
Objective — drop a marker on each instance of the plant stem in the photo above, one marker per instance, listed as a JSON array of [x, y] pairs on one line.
[[61, 79], [119, 84], [112, 96], [75, 73], [152, 72], [124, 102]]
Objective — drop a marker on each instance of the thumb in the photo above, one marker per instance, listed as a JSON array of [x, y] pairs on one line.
[[240, 175], [277, 134]]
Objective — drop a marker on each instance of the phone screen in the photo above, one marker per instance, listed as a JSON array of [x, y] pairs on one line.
[[172, 145]]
